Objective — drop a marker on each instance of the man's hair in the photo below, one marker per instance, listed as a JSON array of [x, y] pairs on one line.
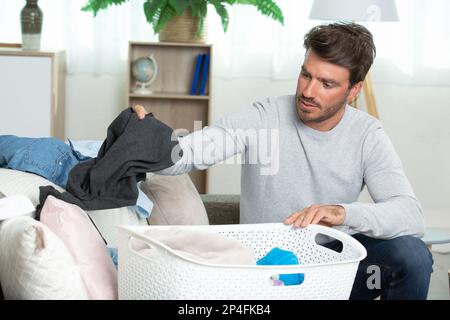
[[348, 45]]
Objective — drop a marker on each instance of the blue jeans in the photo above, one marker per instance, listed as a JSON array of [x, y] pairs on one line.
[[48, 157], [395, 269]]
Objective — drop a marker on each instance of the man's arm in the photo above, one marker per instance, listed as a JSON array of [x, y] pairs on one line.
[[204, 148], [395, 211], [192, 145], [214, 144]]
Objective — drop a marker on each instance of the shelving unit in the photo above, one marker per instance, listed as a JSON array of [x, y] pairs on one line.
[[170, 101]]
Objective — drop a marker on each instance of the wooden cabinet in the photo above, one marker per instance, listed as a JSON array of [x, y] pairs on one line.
[[170, 100], [32, 93]]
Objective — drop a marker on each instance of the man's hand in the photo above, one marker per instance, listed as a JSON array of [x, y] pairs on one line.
[[140, 111], [327, 215]]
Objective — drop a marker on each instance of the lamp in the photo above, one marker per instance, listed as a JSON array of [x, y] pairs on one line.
[[357, 11]]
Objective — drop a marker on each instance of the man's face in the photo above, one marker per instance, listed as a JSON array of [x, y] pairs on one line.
[[323, 89]]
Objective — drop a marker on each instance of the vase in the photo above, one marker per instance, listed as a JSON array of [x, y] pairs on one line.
[[31, 22], [182, 29]]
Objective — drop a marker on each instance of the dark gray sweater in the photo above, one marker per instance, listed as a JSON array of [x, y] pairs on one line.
[[132, 148]]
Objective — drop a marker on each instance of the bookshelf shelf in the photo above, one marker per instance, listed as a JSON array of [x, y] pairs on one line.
[[163, 95], [171, 101]]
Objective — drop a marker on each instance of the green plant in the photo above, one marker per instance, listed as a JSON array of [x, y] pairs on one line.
[[159, 12]]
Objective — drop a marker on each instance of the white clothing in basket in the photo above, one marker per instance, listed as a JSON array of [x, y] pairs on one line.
[[203, 246]]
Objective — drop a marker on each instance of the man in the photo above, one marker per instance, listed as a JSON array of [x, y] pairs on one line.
[[322, 154]]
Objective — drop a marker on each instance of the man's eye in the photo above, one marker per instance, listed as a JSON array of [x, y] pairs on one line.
[[327, 85], [305, 75]]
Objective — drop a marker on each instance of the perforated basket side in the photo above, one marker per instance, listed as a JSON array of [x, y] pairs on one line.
[[167, 276]]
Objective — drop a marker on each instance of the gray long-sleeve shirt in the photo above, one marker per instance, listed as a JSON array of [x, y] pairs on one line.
[[288, 166]]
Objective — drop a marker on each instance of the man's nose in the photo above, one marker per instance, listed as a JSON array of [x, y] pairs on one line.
[[310, 89]]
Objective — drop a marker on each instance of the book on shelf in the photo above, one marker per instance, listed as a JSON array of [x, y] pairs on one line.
[[205, 72], [197, 70]]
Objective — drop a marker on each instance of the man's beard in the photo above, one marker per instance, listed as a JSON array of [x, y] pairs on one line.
[[326, 113]]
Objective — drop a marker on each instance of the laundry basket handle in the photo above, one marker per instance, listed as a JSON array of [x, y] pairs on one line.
[[150, 243], [335, 234]]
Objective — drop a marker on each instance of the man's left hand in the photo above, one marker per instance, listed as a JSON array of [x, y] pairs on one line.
[[328, 215]]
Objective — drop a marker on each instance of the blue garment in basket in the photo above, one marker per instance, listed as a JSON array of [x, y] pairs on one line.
[[278, 256]]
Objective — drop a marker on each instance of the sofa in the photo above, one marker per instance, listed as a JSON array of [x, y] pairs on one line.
[[176, 202]]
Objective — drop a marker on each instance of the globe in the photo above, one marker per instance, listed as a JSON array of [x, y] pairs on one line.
[[144, 70]]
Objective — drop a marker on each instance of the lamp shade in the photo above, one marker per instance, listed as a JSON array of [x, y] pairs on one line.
[[354, 10]]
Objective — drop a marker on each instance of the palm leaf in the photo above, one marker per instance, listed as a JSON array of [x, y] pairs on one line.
[[199, 9], [152, 11], [266, 7], [179, 6], [159, 12], [222, 12], [166, 14], [96, 5]]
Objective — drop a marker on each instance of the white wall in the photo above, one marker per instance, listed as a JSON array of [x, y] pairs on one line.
[[92, 102], [416, 118]]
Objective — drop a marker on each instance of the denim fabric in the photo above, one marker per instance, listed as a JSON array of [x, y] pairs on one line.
[[395, 269], [113, 255], [47, 157], [143, 205], [53, 159]]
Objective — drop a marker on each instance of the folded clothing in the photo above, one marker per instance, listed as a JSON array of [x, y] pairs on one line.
[[88, 148], [277, 256], [202, 246]]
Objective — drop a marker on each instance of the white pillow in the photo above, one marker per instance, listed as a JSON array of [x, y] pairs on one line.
[[18, 182], [35, 264]]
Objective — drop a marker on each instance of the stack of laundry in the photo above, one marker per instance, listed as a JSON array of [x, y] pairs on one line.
[[95, 175], [109, 180]]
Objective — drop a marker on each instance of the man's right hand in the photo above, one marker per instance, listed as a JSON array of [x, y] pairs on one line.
[[140, 111]]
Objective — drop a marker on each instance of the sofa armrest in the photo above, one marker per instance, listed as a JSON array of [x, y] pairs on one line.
[[222, 208]]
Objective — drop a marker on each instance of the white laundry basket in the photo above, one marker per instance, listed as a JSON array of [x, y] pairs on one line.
[[327, 274]]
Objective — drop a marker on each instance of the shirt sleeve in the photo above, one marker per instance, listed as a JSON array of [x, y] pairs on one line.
[[396, 210], [227, 137]]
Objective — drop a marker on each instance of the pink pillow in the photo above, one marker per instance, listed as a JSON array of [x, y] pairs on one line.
[[72, 225]]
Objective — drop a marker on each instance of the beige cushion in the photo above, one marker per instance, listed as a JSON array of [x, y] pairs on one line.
[[176, 201]]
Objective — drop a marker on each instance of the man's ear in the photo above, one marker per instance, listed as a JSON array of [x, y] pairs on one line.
[[354, 91]]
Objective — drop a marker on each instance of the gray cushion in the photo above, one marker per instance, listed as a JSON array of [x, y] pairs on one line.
[[222, 208]]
